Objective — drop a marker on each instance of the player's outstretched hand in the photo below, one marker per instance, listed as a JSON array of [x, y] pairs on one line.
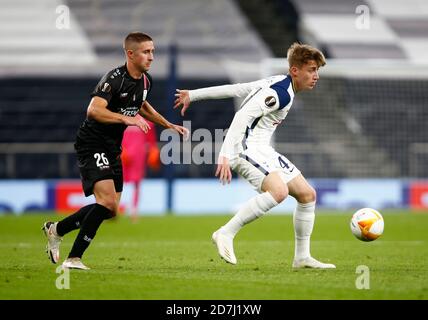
[[223, 170], [182, 98], [181, 130], [139, 122]]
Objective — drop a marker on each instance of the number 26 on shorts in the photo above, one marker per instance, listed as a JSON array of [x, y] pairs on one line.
[[101, 159]]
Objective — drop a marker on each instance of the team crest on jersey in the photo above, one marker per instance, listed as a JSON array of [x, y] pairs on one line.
[[270, 101], [106, 88]]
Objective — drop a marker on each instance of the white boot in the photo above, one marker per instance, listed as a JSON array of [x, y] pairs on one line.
[[224, 245], [74, 263], [52, 248], [310, 262]]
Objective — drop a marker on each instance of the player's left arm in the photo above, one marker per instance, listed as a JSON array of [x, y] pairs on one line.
[[242, 119], [258, 105], [149, 113]]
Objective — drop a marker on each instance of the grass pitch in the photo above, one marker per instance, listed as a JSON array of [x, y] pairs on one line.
[[173, 258]]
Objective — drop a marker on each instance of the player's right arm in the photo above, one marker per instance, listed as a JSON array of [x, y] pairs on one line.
[[185, 97], [98, 111], [239, 90]]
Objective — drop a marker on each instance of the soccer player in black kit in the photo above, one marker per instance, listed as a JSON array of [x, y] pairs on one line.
[[116, 100]]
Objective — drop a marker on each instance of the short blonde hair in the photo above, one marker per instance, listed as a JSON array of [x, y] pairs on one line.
[[299, 54]]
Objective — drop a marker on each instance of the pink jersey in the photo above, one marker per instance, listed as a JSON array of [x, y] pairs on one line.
[[135, 148]]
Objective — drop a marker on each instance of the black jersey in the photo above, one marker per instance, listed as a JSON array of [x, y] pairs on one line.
[[124, 95]]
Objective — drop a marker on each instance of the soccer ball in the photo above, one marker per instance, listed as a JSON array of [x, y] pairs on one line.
[[367, 224]]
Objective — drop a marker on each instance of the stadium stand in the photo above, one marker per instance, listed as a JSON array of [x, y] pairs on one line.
[[207, 34], [43, 95], [275, 20], [367, 132], [397, 29], [30, 42]]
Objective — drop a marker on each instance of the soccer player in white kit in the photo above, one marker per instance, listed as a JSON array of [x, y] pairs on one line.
[[246, 150]]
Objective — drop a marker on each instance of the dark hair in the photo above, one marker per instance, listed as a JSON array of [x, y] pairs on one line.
[[135, 37], [299, 54]]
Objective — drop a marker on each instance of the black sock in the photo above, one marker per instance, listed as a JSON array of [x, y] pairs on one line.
[[73, 221], [89, 228]]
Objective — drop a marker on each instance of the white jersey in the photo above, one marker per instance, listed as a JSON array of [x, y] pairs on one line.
[[266, 105]]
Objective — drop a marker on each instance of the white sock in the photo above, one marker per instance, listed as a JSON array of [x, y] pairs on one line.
[[303, 220], [251, 210]]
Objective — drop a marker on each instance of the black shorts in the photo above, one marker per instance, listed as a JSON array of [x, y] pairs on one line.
[[97, 163]]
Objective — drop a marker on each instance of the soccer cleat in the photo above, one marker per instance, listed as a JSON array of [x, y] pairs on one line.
[[224, 246], [74, 263], [310, 262], [52, 248]]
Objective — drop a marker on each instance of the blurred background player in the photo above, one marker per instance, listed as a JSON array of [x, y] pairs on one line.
[[119, 96], [139, 152], [247, 150]]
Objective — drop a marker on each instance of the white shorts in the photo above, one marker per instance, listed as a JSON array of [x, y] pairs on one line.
[[254, 164]]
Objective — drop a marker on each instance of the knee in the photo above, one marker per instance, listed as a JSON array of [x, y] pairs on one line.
[[110, 203], [279, 193], [308, 195]]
